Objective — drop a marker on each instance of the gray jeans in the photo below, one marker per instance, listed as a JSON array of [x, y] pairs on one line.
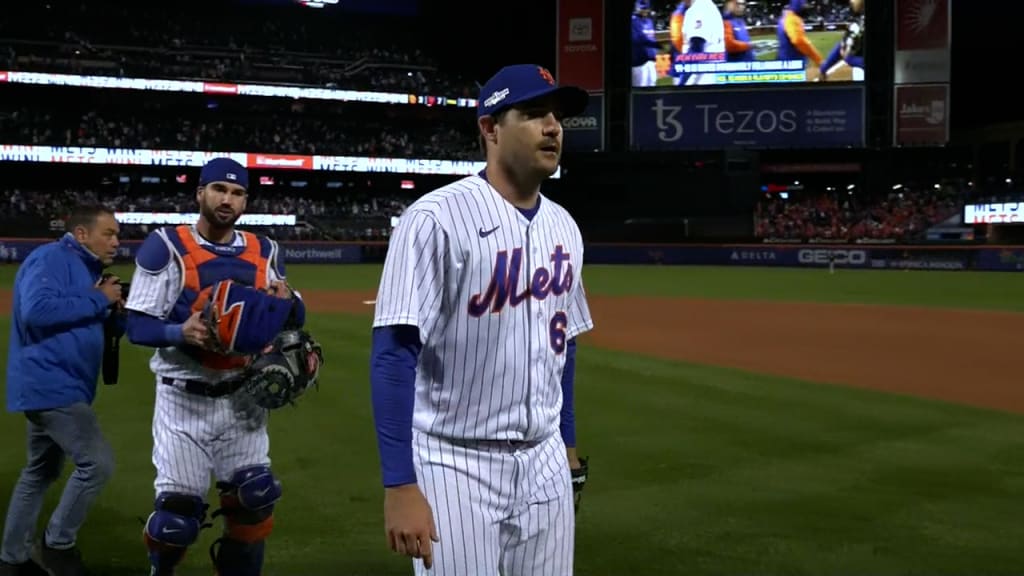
[[72, 431]]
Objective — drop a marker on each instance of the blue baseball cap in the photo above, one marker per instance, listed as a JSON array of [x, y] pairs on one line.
[[224, 170], [523, 82]]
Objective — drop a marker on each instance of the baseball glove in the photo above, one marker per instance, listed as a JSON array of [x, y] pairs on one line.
[[579, 479], [284, 370], [242, 320]]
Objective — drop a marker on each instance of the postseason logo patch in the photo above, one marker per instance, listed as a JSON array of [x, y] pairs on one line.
[[496, 97]]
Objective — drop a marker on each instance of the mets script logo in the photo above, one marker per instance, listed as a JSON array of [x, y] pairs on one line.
[[504, 285]]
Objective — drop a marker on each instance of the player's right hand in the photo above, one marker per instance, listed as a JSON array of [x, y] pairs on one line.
[[195, 331], [409, 523], [111, 288]]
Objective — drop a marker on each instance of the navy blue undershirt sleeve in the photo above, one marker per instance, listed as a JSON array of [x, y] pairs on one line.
[[393, 358], [146, 330], [567, 425]]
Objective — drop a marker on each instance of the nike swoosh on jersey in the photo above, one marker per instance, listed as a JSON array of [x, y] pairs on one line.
[[486, 233]]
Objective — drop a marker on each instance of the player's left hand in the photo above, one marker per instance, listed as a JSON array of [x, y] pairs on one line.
[[579, 474]]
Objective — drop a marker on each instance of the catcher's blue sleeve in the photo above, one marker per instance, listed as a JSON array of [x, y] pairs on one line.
[[393, 360], [567, 425], [146, 330], [299, 317]]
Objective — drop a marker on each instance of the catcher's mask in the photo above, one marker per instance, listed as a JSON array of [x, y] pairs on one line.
[[284, 370]]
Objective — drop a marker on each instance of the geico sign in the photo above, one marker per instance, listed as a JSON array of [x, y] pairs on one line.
[[821, 256], [579, 122]]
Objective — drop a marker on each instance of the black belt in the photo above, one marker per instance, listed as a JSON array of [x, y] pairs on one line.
[[498, 445], [207, 389]]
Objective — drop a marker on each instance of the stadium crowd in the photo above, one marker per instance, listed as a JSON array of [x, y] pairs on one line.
[[900, 216], [767, 13], [340, 215], [188, 39], [286, 132], [353, 213]]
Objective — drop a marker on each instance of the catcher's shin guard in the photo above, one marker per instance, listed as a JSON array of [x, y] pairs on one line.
[[173, 526], [247, 504]]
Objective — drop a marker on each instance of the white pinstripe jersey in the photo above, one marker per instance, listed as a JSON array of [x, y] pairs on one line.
[[495, 297], [154, 292]]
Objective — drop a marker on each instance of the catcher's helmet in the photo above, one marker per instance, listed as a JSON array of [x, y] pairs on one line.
[[284, 370]]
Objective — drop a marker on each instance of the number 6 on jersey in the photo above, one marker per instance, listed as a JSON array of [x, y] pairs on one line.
[[556, 329]]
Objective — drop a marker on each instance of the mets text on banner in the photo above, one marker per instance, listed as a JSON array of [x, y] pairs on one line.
[[585, 133], [580, 44], [994, 213], [196, 158], [224, 88], [923, 35], [767, 118], [922, 115]]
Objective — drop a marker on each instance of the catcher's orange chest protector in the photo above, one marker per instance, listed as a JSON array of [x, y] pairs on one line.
[[202, 268]]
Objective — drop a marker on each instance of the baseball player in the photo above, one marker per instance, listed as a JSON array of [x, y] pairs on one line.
[[704, 33], [675, 29], [849, 51], [202, 424], [472, 361], [737, 37], [645, 46], [793, 41]]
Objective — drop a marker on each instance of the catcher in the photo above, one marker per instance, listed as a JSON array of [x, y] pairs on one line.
[[229, 347]]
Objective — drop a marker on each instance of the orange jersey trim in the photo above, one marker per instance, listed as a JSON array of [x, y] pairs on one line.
[[731, 43], [676, 31], [794, 26], [195, 256]]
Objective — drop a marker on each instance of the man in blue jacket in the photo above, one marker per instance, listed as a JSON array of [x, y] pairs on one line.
[[61, 304]]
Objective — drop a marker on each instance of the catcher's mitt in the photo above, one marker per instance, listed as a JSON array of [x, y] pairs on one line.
[[579, 479], [243, 321], [284, 370]]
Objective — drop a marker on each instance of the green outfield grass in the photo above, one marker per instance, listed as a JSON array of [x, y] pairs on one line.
[[824, 41], [978, 290], [695, 469]]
